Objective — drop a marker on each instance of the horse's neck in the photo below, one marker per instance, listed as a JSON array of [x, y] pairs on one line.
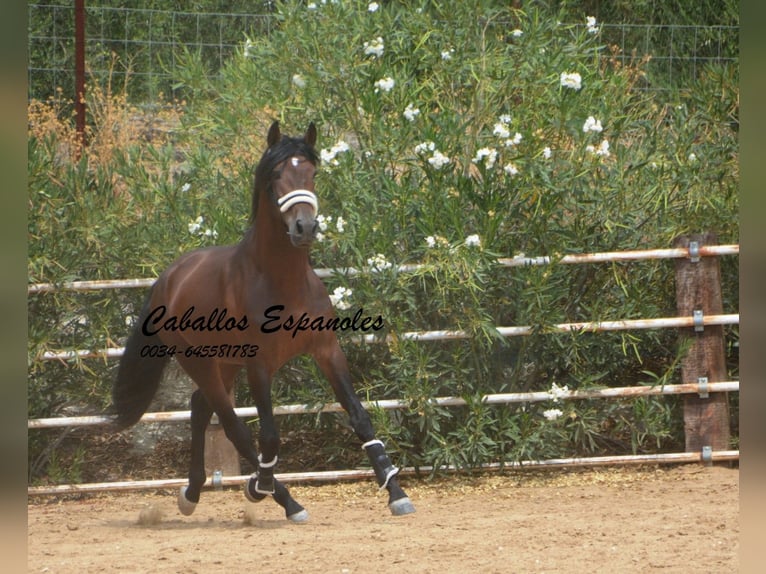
[[269, 248]]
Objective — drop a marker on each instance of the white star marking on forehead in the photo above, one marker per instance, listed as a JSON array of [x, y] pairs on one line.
[[295, 161]]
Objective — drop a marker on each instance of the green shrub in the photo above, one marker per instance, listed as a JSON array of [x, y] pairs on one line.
[[503, 157]]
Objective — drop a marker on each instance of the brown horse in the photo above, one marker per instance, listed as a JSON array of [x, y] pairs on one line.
[[220, 309]]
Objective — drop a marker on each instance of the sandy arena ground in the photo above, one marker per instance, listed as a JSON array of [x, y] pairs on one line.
[[677, 519]]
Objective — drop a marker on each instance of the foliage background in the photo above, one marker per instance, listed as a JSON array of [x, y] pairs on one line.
[[122, 207]]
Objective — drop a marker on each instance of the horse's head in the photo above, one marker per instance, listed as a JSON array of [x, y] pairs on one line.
[[291, 181]]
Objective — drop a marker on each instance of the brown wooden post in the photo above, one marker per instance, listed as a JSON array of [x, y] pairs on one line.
[[698, 289], [220, 454]]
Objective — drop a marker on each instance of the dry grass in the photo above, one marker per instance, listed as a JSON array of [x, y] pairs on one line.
[[113, 124]]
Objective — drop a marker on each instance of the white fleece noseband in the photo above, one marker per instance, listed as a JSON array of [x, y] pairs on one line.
[[298, 196]]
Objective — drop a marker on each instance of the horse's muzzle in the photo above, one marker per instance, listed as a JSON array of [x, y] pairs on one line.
[[303, 232]]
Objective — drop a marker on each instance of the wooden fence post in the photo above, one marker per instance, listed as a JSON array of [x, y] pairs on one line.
[[698, 293], [220, 454]]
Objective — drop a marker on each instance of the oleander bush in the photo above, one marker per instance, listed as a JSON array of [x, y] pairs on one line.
[[451, 135]]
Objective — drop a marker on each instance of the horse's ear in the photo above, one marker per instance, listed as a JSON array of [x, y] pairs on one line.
[[274, 134], [311, 135]]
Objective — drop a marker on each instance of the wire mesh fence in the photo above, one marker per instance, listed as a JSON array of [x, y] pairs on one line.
[[146, 43], [678, 53]]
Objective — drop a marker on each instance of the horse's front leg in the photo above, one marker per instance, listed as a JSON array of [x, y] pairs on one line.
[[335, 368]]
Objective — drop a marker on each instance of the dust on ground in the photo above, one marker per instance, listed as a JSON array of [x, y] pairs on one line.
[[669, 519]]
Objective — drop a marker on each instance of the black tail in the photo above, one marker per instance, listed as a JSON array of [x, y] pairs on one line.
[[138, 377]]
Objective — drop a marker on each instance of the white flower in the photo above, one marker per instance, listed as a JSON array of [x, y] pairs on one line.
[[378, 262], [299, 81], [592, 125], [410, 113], [339, 297], [501, 130], [516, 140], [517, 33], [249, 49], [593, 28], [329, 155], [438, 159], [195, 225], [339, 223], [488, 155], [473, 241], [319, 237], [547, 152], [692, 157], [311, 6], [434, 240], [552, 414], [373, 7], [195, 228], [424, 147], [386, 84], [447, 54], [571, 80], [557, 392], [186, 187], [323, 221], [374, 48], [603, 149], [511, 169]]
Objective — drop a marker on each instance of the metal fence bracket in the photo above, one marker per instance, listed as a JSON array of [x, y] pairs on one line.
[[694, 251], [217, 479], [702, 388], [707, 455], [699, 324]]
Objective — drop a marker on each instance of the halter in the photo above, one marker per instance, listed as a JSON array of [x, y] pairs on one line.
[[298, 196]]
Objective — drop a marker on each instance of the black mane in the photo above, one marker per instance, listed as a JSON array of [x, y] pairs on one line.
[[285, 148]]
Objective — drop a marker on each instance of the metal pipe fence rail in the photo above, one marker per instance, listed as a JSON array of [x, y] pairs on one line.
[[518, 261], [219, 482], [701, 387], [444, 335], [393, 404]]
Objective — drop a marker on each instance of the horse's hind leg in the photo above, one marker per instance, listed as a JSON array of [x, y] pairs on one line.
[[262, 482], [239, 434], [200, 418]]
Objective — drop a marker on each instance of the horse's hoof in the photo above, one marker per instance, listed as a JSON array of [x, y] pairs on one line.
[[184, 504], [299, 517], [401, 507], [250, 493]]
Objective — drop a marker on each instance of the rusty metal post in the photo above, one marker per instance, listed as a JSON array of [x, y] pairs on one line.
[[79, 70], [698, 294]]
